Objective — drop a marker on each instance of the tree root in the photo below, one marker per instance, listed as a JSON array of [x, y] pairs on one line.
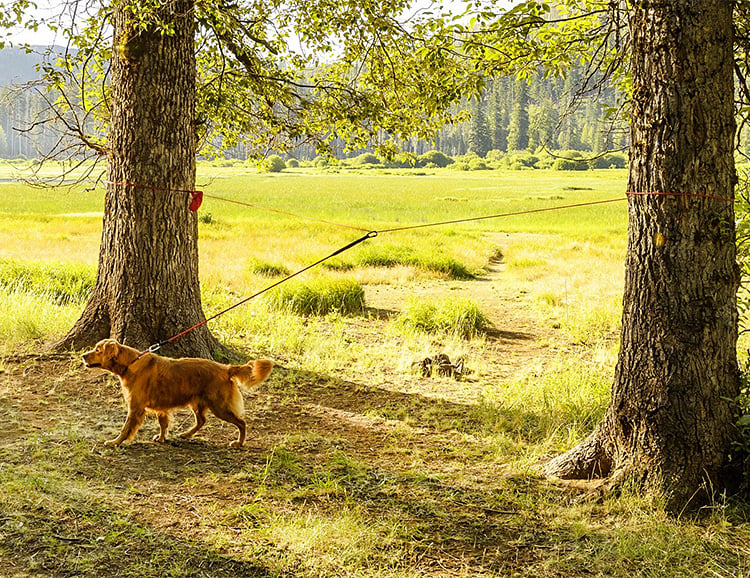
[[586, 461]]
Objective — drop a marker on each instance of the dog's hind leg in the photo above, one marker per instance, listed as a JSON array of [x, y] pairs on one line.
[[129, 429], [228, 415], [200, 420], [232, 413], [163, 425]]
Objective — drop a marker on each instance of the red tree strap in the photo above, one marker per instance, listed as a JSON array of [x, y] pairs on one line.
[[196, 200], [678, 194], [196, 197]]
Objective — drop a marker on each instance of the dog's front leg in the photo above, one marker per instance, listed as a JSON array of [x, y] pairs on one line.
[[129, 429], [164, 427]]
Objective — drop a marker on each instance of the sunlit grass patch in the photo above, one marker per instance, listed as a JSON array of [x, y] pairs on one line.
[[319, 297], [525, 262], [422, 257], [266, 269], [592, 322], [61, 283], [586, 323], [31, 316], [41, 300], [461, 317], [330, 541], [555, 406], [633, 535]]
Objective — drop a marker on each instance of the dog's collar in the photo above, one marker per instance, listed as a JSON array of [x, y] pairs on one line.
[[152, 349], [126, 367]]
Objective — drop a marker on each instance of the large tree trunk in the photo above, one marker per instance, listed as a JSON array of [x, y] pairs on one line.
[[668, 425], [147, 287]]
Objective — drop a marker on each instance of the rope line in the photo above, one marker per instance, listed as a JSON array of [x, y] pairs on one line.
[[499, 215], [198, 195], [287, 213], [678, 194], [157, 346]]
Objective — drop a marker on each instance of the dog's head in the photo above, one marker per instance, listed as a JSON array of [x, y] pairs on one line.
[[111, 356]]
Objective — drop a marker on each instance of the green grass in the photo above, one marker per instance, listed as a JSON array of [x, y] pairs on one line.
[[28, 317], [354, 465], [319, 297], [460, 317], [62, 283], [268, 269], [390, 255]]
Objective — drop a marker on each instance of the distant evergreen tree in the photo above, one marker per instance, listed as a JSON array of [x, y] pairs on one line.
[[480, 139], [543, 119], [498, 114], [518, 131]]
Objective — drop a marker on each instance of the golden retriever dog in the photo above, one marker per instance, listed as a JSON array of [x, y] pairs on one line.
[[160, 384]]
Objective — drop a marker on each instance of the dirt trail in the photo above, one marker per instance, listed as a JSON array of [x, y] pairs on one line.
[[515, 341]]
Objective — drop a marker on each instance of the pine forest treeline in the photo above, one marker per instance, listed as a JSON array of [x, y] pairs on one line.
[[541, 113], [513, 115]]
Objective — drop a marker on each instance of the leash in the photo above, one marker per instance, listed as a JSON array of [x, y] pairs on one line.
[[156, 346]]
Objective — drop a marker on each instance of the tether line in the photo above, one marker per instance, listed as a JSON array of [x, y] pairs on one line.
[[498, 215], [287, 213], [175, 337]]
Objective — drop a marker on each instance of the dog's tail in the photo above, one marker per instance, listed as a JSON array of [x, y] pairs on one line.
[[251, 374]]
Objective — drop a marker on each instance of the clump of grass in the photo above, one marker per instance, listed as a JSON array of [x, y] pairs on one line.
[[338, 265], [446, 266], [61, 283], [386, 256], [530, 262], [265, 269], [555, 408], [319, 297], [30, 316], [395, 255], [330, 541], [389, 256], [462, 318]]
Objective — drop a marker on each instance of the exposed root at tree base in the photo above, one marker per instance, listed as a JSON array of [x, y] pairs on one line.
[[587, 460]]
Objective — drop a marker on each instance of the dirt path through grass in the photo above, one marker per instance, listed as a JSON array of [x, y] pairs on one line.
[[517, 340]]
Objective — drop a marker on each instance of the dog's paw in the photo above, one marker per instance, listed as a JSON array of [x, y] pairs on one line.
[[235, 444], [112, 443], [158, 438]]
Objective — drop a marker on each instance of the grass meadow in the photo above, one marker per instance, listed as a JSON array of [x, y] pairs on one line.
[[357, 464]]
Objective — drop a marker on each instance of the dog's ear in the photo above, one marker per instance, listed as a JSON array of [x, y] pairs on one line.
[[112, 349]]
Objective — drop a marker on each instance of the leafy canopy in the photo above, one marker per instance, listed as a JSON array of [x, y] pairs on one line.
[[277, 73], [273, 74]]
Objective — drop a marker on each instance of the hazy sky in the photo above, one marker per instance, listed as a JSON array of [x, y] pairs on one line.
[[52, 9]]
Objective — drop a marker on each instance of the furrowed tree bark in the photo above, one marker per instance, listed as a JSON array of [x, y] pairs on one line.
[[147, 287], [668, 426]]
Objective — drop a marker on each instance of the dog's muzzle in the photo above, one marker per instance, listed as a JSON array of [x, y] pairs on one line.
[[88, 364]]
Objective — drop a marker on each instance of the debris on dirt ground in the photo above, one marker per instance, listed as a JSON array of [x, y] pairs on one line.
[[440, 365]]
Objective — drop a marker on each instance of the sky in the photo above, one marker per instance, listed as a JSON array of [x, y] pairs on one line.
[[45, 9], [51, 9]]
